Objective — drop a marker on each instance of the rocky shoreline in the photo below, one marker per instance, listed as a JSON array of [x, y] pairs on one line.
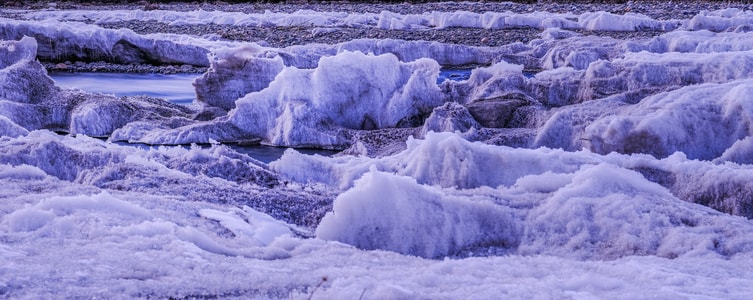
[[280, 37]]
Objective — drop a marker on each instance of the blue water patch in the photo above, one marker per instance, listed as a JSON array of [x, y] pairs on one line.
[[176, 88], [453, 74]]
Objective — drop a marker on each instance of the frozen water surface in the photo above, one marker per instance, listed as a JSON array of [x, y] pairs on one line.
[[620, 170], [176, 88]]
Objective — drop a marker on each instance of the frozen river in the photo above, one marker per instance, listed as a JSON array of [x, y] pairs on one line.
[[176, 88]]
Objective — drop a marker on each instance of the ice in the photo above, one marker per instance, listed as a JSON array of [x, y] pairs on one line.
[[557, 49], [8, 128], [605, 21], [22, 79], [598, 211], [60, 41], [351, 90], [739, 152], [238, 71], [702, 41], [395, 213], [448, 160], [17, 51], [384, 20], [263, 229], [702, 121], [30, 100], [234, 73], [637, 177], [719, 20]]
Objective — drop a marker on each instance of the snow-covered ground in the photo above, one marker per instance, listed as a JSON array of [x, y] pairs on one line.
[[572, 166]]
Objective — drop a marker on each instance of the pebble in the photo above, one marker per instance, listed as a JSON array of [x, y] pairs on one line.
[[280, 37]]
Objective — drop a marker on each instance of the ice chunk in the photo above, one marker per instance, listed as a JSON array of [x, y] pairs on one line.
[[384, 211], [8, 128], [608, 212], [13, 52], [702, 121], [234, 73], [701, 42], [605, 21], [101, 115], [719, 20], [83, 42], [740, 152], [22, 172], [22, 79], [444, 159], [351, 90], [249, 223]]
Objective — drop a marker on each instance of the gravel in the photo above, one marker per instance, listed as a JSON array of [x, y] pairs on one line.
[[299, 35]]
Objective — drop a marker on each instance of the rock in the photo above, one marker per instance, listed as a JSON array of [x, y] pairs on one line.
[[449, 117], [496, 112]]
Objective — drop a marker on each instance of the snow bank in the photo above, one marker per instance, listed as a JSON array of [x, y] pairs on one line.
[[61, 41], [702, 121], [702, 41], [598, 211], [607, 212], [645, 73], [443, 159], [720, 20], [574, 51], [351, 90], [604, 21], [601, 21], [173, 252], [450, 161], [395, 213], [89, 160]]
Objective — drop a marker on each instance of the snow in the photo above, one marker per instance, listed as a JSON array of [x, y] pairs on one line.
[[636, 182], [628, 22], [702, 121], [385, 20], [720, 20], [396, 213], [351, 90], [84, 42]]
